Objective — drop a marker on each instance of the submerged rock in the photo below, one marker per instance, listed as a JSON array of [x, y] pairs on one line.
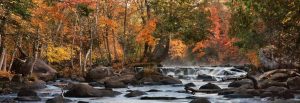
[[190, 85], [238, 96], [135, 93], [27, 95], [154, 90], [58, 99], [210, 86], [8, 100], [159, 98], [84, 90], [200, 100]]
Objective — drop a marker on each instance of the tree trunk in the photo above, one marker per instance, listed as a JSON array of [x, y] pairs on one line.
[[4, 63], [114, 44], [3, 54], [107, 45], [124, 34], [85, 62], [36, 51]]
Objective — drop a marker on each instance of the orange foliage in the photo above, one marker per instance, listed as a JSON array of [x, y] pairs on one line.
[[253, 58], [145, 35], [6, 74], [219, 40], [178, 49], [109, 22]]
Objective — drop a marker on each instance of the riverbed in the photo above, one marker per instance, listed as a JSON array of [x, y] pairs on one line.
[[166, 91]]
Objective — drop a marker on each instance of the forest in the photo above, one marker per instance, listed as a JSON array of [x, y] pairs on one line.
[[105, 42]]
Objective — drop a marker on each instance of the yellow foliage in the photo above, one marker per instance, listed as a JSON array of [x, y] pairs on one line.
[[68, 72], [177, 49], [57, 54]]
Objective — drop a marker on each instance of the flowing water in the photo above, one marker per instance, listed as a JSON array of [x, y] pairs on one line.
[[166, 91]]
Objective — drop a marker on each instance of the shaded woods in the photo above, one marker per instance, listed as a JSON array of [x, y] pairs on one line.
[[75, 35]]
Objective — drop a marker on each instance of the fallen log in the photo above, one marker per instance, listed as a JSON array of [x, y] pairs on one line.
[[268, 74]]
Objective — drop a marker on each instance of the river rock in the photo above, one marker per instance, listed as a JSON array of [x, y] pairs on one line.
[[190, 85], [170, 80], [158, 98], [269, 83], [210, 86], [266, 94], [114, 84], [58, 99], [36, 84], [275, 89], [238, 96], [294, 83], [200, 100], [84, 90], [239, 83], [96, 84], [5, 79], [40, 69], [135, 93], [286, 94], [154, 90], [82, 102], [99, 73], [27, 95], [127, 78], [205, 77], [8, 100], [252, 92], [17, 78], [226, 91]]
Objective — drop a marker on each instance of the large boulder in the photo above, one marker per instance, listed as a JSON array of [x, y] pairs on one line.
[[205, 77], [99, 73], [275, 89], [36, 84], [40, 69], [170, 80], [84, 90], [268, 83], [114, 84], [210, 86], [239, 83], [27, 95], [294, 83], [279, 92]]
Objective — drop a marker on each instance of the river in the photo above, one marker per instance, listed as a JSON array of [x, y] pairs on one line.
[[166, 91]]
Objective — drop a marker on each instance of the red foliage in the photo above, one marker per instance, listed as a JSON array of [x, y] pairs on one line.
[[219, 41]]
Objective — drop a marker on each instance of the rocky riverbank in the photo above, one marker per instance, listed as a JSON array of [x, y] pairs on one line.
[[103, 84]]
